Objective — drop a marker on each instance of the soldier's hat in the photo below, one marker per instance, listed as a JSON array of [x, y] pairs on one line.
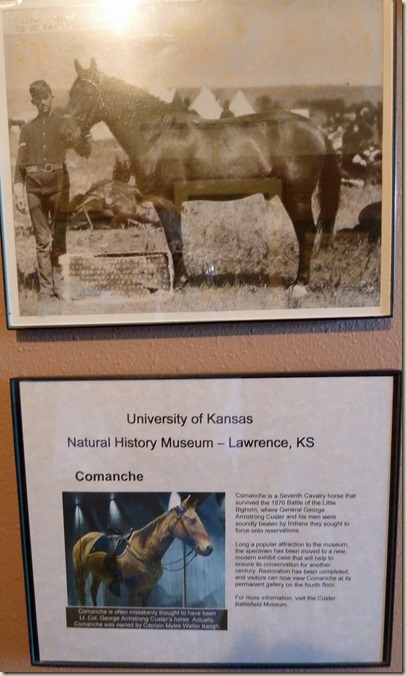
[[39, 87]]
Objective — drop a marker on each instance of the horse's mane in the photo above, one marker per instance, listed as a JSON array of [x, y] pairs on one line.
[[131, 97], [163, 125], [162, 115], [144, 533]]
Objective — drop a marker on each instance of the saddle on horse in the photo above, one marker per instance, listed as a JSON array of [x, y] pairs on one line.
[[113, 543]]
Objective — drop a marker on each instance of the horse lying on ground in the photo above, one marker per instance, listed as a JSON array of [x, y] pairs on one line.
[[167, 146], [139, 565], [111, 203]]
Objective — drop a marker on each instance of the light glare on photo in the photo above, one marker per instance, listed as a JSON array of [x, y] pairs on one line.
[[119, 12]]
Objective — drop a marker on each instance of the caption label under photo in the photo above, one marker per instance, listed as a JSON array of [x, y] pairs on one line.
[[146, 618]]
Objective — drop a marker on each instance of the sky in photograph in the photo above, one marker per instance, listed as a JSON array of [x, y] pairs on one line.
[[195, 43]]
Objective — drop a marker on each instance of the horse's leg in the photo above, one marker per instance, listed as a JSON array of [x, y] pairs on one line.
[[145, 597], [94, 588], [80, 572], [134, 596], [328, 195], [299, 207], [81, 586], [171, 223]]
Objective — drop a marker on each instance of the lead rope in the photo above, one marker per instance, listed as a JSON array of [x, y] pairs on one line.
[[170, 563], [136, 555]]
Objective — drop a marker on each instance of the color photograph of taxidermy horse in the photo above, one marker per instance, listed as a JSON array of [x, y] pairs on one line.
[[182, 210], [126, 549]]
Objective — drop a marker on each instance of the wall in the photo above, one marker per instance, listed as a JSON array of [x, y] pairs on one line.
[[171, 350]]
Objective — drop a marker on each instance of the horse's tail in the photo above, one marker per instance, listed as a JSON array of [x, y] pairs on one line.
[[79, 570], [329, 191]]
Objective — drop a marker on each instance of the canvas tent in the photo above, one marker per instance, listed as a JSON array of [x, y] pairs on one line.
[[240, 106], [206, 105]]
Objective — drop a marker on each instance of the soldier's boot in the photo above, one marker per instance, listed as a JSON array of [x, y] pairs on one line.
[[58, 281]]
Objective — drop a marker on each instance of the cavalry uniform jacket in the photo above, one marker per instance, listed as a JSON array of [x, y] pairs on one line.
[[41, 154]]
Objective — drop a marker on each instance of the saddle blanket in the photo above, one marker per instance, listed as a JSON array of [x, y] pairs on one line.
[[103, 544]]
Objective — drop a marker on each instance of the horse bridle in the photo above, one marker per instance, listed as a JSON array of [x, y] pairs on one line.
[[99, 105], [180, 514], [138, 556], [190, 553]]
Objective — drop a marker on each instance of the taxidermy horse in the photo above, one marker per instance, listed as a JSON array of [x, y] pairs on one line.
[[139, 565], [167, 144]]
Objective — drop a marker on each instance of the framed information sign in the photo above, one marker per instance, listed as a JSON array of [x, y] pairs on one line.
[[167, 161], [215, 522]]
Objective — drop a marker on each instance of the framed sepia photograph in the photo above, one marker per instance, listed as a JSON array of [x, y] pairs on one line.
[[167, 161], [238, 529]]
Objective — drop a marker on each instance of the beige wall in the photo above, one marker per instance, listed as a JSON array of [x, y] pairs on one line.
[[171, 350]]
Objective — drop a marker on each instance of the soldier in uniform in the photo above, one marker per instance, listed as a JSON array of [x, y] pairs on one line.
[[41, 169]]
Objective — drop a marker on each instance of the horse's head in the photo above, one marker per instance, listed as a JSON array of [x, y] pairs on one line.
[[85, 106], [189, 528]]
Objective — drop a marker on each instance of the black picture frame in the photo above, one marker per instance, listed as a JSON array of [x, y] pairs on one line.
[[125, 242], [370, 451]]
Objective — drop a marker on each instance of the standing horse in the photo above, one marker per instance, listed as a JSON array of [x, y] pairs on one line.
[[139, 566], [167, 145]]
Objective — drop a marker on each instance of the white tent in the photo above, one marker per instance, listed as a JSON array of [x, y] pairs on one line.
[[206, 105], [240, 106]]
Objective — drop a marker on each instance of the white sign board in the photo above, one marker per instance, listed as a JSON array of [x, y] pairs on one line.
[[233, 521]]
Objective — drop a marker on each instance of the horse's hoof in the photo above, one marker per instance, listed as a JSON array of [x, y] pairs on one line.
[[297, 292], [181, 282], [296, 295]]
